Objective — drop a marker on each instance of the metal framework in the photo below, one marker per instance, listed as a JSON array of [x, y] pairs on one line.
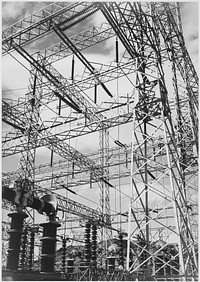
[[138, 111]]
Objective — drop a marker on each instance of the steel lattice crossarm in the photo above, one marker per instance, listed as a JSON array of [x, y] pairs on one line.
[[69, 206], [78, 103], [71, 154], [77, 176], [132, 68], [83, 40], [13, 117], [86, 39], [82, 58], [40, 23], [72, 207], [91, 126], [59, 147], [86, 84], [11, 144]]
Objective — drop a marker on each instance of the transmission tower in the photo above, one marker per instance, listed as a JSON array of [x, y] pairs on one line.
[[135, 105]]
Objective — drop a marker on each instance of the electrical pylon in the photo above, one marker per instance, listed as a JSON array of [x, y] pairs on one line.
[[161, 106]]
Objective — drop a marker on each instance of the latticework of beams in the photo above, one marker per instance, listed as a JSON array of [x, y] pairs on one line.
[[143, 102]]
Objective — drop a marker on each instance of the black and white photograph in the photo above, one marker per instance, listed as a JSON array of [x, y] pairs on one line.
[[99, 147]]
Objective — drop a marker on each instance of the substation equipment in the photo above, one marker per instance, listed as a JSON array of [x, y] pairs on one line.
[[119, 75]]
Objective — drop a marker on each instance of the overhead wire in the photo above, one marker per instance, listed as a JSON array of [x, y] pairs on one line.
[[96, 203], [18, 61], [99, 203], [14, 89]]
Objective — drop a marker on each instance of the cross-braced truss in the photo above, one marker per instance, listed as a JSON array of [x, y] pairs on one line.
[[129, 94]]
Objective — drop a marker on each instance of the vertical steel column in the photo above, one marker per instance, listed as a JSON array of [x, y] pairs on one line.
[[133, 142], [146, 196], [104, 188]]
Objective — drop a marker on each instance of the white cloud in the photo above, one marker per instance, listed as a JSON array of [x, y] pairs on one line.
[[12, 10], [14, 75], [16, 10], [189, 13]]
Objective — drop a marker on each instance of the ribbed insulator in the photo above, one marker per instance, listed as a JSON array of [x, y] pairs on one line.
[[23, 248], [31, 249], [111, 263], [70, 266], [87, 243], [121, 256], [17, 220], [63, 253], [48, 246], [94, 246]]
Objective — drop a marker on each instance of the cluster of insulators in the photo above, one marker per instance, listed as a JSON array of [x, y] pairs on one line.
[[48, 246], [27, 249], [24, 241], [117, 253], [90, 245], [94, 246], [16, 231], [121, 255], [64, 241], [87, 244], [21, 244], [31, 251], [70, 261]]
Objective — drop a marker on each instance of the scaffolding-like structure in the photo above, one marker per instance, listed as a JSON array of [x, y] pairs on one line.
[[114, 104]]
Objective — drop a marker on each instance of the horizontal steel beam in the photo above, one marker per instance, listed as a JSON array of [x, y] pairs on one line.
[[40, 23]]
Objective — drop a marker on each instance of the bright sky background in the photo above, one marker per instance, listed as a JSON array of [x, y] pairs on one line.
[[14, 11], [14, 76]]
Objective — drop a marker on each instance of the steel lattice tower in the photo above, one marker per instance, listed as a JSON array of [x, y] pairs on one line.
[[140, 108]]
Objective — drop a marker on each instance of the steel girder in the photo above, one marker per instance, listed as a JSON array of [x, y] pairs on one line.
[[40, 23], [83, 40], [58, 30], [131, 21], [59, 147], [174, 41]]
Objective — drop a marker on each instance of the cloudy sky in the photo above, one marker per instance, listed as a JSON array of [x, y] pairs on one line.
[[13, 11], [15, 76]]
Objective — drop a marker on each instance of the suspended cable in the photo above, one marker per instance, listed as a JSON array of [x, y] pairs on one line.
[[19, 61], [64, 186], [14, 89]]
